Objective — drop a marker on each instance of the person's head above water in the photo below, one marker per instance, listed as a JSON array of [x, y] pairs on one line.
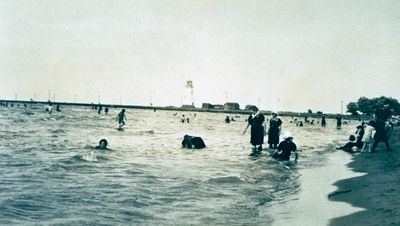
[[352, 138], [103, 144]]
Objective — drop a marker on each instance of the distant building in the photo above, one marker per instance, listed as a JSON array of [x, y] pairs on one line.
[[218, 106], [188, 106], [250, 107], [231, 106], [207, 106]]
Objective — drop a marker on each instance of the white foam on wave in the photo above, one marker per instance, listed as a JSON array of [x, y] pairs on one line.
[[90, 157]]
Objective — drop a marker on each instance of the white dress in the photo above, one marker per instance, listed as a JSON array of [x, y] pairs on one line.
[[369, 134]]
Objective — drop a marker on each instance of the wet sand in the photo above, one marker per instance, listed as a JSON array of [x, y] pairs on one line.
[[312, 207], [378, 191], [359, 189]]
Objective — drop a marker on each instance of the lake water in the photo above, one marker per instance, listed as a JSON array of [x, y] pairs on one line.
[[52, 175]]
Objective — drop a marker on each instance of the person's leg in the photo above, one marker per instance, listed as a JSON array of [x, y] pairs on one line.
[[374, 144], [370, 146], [387, 145], [363, 147]]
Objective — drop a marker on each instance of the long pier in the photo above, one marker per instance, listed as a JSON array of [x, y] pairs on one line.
[[173, 108]]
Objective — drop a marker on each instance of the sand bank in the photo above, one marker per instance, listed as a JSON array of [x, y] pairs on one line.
[[312, 206], [378, 191], [360, 189]]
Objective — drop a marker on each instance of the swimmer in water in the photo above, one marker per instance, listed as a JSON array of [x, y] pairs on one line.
[[102, 144]]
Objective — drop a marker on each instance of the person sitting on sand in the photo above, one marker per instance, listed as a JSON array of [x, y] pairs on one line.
[[350, 146], [193, 142], [285, 148], [102, 144], [227, 119], [121, 118], [368, 136]]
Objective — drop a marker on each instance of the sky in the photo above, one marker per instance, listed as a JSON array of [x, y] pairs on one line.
[[281, 55]]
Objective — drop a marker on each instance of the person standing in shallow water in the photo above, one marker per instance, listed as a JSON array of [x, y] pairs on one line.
[[323, 121], [121, 118], [274, 131], [256, 121], [338, 121]]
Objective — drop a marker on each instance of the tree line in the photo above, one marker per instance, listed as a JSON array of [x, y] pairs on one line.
[[367, 106]]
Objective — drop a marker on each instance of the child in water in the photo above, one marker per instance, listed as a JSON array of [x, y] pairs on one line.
[[285, 149], [121, 118]]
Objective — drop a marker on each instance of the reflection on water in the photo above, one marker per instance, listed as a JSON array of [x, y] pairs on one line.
[[52, 174]]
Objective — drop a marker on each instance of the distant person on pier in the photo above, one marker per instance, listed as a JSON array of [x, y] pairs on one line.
[[275, 125], [121, 118], [382, 115], [256, 120], [338, 121]]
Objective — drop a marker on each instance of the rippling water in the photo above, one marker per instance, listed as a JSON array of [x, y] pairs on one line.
[[52, 175]]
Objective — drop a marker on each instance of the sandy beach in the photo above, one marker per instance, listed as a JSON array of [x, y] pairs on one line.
[[346, 189], [377, 191]]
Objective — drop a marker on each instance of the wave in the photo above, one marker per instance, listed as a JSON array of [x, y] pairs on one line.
[[225, 180], [58, 131]]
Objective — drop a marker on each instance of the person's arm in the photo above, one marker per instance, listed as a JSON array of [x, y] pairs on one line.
[[246, 128], [248, 124], [280, 127], [296, 154]]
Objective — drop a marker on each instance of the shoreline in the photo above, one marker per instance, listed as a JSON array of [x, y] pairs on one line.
[[361, 190], [312, 207], [192, 109], [377, 191]]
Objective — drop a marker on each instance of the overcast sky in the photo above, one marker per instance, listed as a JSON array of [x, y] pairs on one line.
[[287, 55]]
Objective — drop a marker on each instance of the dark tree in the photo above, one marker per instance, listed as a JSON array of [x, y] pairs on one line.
[[352, 108]]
